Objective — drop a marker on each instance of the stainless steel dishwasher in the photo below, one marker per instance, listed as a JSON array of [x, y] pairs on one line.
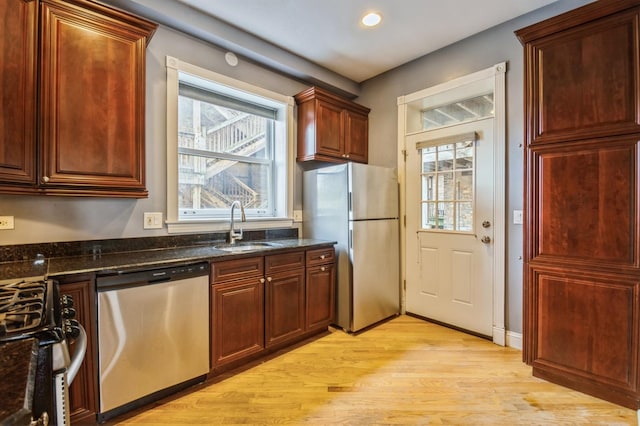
[[153, 334]]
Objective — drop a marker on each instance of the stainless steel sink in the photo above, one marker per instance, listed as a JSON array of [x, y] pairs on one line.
[[248, 246]]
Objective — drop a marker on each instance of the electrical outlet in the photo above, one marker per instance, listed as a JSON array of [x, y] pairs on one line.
[[6, 222], [152, 220], [297, 215]]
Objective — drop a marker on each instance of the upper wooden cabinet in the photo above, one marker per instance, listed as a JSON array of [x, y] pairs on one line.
[[594, 65], [18, 44], [90, 109], [331, 128]]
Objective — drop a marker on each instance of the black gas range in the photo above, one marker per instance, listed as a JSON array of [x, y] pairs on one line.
[[37, 323]]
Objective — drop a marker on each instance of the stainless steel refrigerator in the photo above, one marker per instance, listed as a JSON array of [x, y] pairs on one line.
[[357, 206]]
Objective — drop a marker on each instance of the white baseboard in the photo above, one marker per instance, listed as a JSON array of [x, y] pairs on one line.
[[514, 340]]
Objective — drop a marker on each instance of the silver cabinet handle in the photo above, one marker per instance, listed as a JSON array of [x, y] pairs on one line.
[[45, 178], [261, 280], [322, 257], [269, 279], [323, 269]]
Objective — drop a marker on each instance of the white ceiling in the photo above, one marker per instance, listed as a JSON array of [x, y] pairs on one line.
[[329, 33]]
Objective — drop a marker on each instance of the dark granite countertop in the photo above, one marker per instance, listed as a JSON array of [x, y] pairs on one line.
[[125, 260]]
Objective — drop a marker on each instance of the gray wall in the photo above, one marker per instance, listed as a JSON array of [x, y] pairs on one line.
[[473, 54], [50, 219]]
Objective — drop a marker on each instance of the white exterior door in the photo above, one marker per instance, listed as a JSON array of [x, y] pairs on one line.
[[450, 225]]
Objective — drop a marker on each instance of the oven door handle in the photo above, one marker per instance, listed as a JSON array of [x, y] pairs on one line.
[[78, 355]]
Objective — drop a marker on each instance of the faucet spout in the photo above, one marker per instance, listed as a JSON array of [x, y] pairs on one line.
[[233, 235]]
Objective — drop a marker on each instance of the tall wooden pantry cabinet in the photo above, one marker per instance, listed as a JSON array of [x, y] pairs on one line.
[[582, 227]]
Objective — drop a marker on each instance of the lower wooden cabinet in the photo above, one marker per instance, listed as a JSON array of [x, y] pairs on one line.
[[263, 303], [320, 297], [237, 310], [321, 288], [82, 392], [237, 320], [285, 294], [284, 306]]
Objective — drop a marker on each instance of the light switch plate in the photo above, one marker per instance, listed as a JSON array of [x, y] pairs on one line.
[[517, 217], [152, 220]]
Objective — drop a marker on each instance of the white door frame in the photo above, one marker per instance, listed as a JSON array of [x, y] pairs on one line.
[[498, 73]]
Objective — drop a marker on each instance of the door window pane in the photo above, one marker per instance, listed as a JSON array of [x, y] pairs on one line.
[[448, 186], [445, 157], [464, 185], [429, 187]]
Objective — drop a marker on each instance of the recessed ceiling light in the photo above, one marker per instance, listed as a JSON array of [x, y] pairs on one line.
[[371, 19]]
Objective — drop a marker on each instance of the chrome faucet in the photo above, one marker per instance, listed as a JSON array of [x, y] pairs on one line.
[[233, 235]]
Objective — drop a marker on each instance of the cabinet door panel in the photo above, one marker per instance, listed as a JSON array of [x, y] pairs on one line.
[[329, 130], [237, 269], [587, 325], [585, 80], [17, 94], [92, 106], [283, 262], [237, 320], [321, 256], [320, 298], [285, 306], [585, 199], [356, 136]]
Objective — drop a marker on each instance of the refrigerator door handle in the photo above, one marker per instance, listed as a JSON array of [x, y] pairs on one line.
[[350, 238], [350, 202]]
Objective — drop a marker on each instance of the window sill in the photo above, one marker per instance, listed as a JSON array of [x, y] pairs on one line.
[[189, 226]]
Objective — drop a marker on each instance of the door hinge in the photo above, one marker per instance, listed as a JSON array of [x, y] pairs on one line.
[[404, 155], [404, 284], [405, 220]]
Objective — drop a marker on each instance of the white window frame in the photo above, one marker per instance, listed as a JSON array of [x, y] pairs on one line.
[[284, 160]]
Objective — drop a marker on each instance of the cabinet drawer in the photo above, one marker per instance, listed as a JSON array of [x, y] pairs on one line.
[[284, 262], [237, 269], [320, 256]]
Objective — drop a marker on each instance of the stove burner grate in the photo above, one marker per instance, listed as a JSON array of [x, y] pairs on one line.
[[21, 306]]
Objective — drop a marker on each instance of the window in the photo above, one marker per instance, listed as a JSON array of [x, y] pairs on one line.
[[227, 141], [462, 111], [448, 184]]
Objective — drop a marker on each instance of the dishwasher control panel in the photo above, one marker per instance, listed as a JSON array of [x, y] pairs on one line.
[[151, 276]]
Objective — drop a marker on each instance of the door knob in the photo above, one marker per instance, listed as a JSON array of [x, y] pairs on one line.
[[486, 239], [486, 224]]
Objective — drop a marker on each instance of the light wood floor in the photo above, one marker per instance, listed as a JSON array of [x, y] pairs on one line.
[[403, 372]]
